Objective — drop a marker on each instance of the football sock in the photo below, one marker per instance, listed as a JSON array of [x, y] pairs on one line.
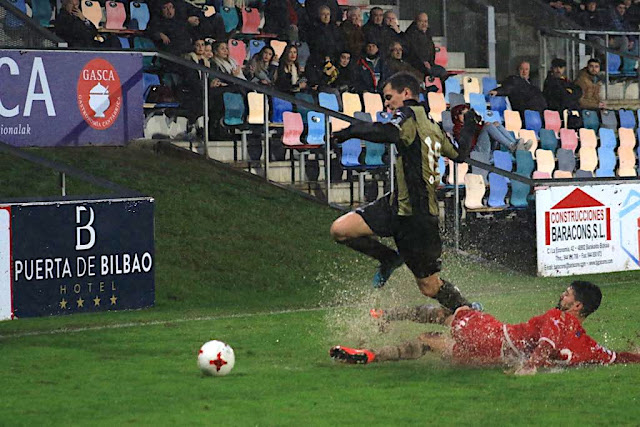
[[409, 350], [420, 314], [373, 248], [449, 296]]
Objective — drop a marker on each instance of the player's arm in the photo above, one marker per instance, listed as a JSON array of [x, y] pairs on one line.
[[385, 133]]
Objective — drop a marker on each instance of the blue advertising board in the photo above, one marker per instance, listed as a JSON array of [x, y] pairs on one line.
[[76, 257], [54, 98]]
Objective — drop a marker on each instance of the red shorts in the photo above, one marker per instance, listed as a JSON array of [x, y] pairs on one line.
[[478, 338]]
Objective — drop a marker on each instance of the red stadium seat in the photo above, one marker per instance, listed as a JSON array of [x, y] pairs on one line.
[[250, 21], [568, 139], [116, 15], [442, 56], [552, 121], [238, 51]]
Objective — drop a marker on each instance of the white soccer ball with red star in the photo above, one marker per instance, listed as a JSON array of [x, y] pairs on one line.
[[216, 358]]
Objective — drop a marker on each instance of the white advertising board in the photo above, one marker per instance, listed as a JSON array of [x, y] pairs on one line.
[[588, 229]]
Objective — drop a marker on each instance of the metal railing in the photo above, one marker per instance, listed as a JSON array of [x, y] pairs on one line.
[[18, 30]]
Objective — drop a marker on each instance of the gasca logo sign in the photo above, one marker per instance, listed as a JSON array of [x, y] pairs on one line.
[[99, 94]]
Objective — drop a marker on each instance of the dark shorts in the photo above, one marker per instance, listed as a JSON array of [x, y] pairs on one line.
[[417, 237]]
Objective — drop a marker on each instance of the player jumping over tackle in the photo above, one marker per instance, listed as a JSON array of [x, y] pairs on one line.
[[555, 338], [410, 214]]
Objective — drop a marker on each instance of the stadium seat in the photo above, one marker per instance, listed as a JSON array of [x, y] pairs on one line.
[[471, 85], [303, 54], [462, 169], [491, 116], [452, 85], [92, 11], [125, 43], [583, 174], [279, 47], [588, 159], [208, 10], [307, 97], [566, 160], [498, 184], [608, 119], [588, 138], [279, 107], [41, 10], [512, 121], [148, 81], [330, 101], [372, 104], [256, 108], [430, 81], [548, 140], [606, 162], [350, 153], [255, 46], [568, 139], [474, 191], [238, 51], [613, 64], [442, 56], [437, 105], [351, 103], [447, 123], [545, 161], [442, 166], [627, 137], [590, 119], [292, 128], [532, 120], [233, 108], [156, 126], [607, 138], [498, 103], [250, 20], [116, 15], [559, 174], [455, 99], [627, 119], [519, 190], [552, 121], [626, 155], [483, 158], [11, 20], [230, 18], [317, 130], [478, 103], [488, 84], [529, 135], [139, 12], [383, 116]]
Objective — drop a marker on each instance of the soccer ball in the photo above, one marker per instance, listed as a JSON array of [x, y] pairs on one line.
[[216, 358]]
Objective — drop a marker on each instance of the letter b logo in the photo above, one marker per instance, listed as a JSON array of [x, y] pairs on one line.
[[87, 228]]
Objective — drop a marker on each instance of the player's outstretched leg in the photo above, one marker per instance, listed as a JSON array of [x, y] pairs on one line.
[[420, 314], [444, 292], [352, 355], [409, 350]]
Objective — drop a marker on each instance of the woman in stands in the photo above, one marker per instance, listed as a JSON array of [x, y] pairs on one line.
[[262, 67], [396, 63], [488, 136], [224, 63], [289, 75], [198, 54]]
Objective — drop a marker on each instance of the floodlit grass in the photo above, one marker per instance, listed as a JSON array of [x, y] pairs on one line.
[[231, 253]]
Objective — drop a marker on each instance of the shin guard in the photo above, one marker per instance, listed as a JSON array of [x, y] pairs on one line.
[[449, 296]]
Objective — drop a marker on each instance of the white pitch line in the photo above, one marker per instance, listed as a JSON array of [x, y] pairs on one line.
[[157, 322]]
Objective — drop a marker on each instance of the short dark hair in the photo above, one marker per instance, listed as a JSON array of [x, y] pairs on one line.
[[558, 63], [588, 294], [591, 60], [404, 80]]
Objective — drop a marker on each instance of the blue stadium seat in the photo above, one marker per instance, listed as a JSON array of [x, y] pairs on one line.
[[149, 80], [478, 103], [607, 138], [498, 184], [583, 174], [351, 150], [590, 120], [317, 129], [383, 117], [234, 108], [628, 68], [452, 85], [498, 103], [608, 119], [442, 166], [481, 157], [455, 99], [548, 140], [12, 21], [488, 84], [491, 116], [613, 64], [606, 162], [566, 160], [139, 12], [278, 107], [627, 119], [447, 123], [532, 120], [230, 18], [519, 190], [124, 42], [329, 101], [255, 46], [41, 10]]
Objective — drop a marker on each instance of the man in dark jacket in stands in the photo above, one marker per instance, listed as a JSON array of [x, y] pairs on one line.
[[523, 94], [326, 40], [285, 18], [374, 28], [74, 28], [312, 7], [369, 69], [169, 32], [560, 92], [391, 33], [421, 49]]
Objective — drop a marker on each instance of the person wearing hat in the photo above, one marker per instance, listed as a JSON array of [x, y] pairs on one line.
[[560, 92], [369, 68]]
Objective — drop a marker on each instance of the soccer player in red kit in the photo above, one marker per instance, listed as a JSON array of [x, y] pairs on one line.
[[555, 338]]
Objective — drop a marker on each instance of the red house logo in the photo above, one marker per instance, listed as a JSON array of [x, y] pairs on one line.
[[577, 218]]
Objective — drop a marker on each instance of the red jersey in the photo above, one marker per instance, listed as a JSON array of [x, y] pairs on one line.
[[553, 338]]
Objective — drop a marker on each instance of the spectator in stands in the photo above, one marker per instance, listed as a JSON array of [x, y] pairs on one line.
[[614, 20], [168, 32], [326, 39], [589, 18], [208, 49], [74, 28], [391, 33], [523, 94], [632, 15], [262, 67], [352, 32], [197, 55], [369, 68], [224, 63], [395, 63], [374, 28], [191, 91], [421, 49], [289, 77], [313, 8], [198, 25], [345, 81], [285, 18], [590, 81], [487, 136], [560, 92]]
